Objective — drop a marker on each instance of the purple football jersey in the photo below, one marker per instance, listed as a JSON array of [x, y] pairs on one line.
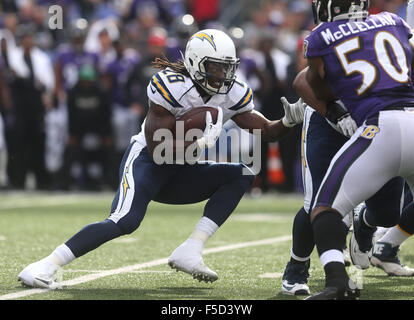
[[119, 70], [367, 62], [70, 61]]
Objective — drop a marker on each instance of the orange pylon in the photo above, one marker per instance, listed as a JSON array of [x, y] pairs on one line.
[[274, 164]]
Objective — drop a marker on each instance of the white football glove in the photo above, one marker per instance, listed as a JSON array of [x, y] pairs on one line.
[[346, 125], [293, 112], [212, 131]]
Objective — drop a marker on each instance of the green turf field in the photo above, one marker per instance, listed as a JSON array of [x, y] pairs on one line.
[[249, 252]]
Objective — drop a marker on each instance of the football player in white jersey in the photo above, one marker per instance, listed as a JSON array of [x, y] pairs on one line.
[[206, 77]]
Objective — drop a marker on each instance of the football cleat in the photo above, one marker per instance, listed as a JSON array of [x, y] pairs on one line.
[[364, 235], [345, 251], [386, 258], [351, 292], [359, 258], [347, 257], [186, 259], [295, 279], [40, 274], [360, 243]]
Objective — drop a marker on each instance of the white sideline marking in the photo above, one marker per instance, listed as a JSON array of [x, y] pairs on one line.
[[274, 275], [24, 200], [106, 273], [44, 203], [261, 217], [50, 203], [98, 271]]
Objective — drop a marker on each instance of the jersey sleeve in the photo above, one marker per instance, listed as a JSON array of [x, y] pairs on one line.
[[243, 99], [313, 45], [160, 93]]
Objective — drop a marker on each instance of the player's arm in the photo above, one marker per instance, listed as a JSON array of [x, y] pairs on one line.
[[304, 90], [315, 76], [334, 110], [160, 118], [270, 130]]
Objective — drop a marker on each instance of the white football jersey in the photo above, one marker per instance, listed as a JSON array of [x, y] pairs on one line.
[[177, 93], [410, 13]]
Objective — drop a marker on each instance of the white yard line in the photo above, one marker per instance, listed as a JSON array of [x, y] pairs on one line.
[[132, 268], [18, 200], [262, 217], [271, 275], [44, 202], [49, 203]]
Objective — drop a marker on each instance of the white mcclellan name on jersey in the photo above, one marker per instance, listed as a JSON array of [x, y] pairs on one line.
[[177, 93]]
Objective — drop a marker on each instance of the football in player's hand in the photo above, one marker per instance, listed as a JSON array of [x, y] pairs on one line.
[[196, 118]]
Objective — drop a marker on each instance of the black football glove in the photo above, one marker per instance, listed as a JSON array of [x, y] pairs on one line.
[[338, 114]]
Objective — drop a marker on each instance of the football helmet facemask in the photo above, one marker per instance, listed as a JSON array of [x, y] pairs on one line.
[[333, 10], [210, 59]]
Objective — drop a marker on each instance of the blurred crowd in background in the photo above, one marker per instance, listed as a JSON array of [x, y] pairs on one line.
[[71, 98]]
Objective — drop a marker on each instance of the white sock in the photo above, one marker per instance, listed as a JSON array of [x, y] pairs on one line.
[[332, 256], [204, 229], [395, 235], [61, 256]]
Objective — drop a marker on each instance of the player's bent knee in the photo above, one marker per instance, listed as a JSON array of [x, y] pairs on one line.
[[389, 217], [128, 224], [247, 180], [314, 213], [237, 173], [387, 221], [245, 175], [128, 228], [244, 182], [386, 217], [318, 210]]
